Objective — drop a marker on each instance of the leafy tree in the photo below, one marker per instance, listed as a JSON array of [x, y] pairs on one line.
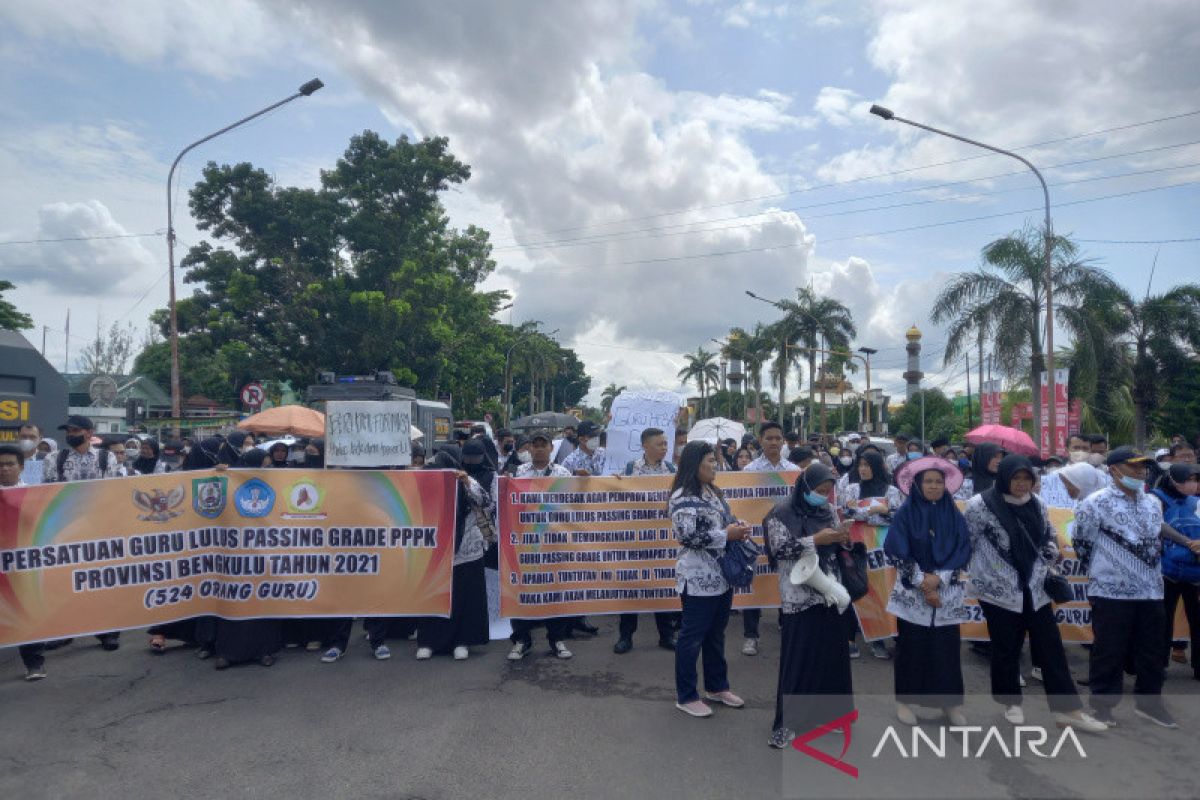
[[1161, 334], [701, 367], [810, 321], [362, 274], [1004, 301], [610, 394], [10, 318], [940, 419]]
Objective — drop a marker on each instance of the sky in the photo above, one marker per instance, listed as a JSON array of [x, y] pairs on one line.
[[640, 164]]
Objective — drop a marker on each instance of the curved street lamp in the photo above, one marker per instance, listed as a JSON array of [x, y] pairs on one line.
[[304, 91], [888, 114]]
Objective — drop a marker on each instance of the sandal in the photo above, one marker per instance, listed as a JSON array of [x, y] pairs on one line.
[[158, 643]]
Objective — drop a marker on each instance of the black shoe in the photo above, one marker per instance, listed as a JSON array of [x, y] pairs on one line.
[[583, 627], [622, 646], [1157, 714], [204, 653], [667, 642], [110, 644], [267, 660], [221, 663]]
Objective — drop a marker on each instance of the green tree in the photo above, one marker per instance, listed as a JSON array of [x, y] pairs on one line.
[[810, 321], [362, 274], [939, 416], [10, 318], [701, 367], [1004, 301], [607, 396], [1161, 335]]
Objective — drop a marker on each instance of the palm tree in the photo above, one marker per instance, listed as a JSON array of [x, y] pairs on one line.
[[608, 396], [1004, 300], [702, 367], [1160, 334], [812, 321], [753, 349]]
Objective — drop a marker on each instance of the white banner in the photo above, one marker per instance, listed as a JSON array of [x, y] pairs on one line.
[[368, 433], [632, 413]]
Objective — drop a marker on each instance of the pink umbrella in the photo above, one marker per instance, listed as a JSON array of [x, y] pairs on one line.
[[1014, 440]]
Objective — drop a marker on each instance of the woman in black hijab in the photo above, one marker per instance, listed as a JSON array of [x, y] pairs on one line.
[[1013, 548], [468, 622], [984, 463], [929, 544], [814, 660], [314, 454], [232, 641], [279, 455], [147, 462]]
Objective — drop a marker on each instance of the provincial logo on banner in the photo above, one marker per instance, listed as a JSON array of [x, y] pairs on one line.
[[255, 498], [208, 496]]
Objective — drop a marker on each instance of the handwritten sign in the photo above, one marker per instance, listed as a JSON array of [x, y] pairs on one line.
[[368, 433], [632, 413]]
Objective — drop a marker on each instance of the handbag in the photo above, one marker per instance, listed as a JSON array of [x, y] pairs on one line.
[[1058, 588], [737, 562], [852, 563]]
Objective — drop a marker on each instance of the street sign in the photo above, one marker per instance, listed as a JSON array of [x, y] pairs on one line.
[[253, 395]]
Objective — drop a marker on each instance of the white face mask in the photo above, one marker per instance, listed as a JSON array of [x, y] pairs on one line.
[[1096, 459], [524, 457], [1078, 456], [28, 445], [846, 461]]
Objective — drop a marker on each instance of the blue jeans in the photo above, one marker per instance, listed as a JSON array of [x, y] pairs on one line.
[[703, 631]]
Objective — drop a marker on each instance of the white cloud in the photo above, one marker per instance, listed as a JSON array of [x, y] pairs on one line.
[[1012, 72], [835, 105], [99, 263]]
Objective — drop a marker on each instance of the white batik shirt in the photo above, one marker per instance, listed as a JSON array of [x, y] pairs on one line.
[[551, 471], [640, 467], [472, 546], [1128, 568], [699, 524], [579, 459], [80, 467]]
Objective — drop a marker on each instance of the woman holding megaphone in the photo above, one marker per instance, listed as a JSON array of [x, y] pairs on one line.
[[803, 537]]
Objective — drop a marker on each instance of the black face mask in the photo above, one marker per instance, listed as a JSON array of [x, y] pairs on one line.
[[75, 441], [508, 448]]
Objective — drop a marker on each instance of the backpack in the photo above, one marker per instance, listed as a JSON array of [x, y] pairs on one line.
[[64, 453], [737, 562]]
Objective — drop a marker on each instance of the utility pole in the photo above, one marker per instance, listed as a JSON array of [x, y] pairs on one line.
[[970, 422]]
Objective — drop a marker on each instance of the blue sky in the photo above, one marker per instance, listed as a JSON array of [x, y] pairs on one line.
[[627, 140]]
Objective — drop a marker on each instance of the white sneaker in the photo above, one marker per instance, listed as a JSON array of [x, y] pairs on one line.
[[331, 655], [1036, 674], [461, 653], [424, 653], [750, 647], [1015, 715], [956, 716], [1083, 721], [560, 650], [905, 714], [1021, 680], [518, 651]]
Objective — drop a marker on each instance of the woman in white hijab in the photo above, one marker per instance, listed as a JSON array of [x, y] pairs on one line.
[[1067, 486]]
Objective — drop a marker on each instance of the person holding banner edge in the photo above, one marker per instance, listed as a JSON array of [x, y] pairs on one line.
[[652, 462], [12, 463], [540, 466], [703, 524]]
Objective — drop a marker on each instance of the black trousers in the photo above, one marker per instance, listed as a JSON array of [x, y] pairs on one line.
[[1124, 628], [1189, 593], [31, 655], [339, 632], [1007, 630], [665, 621], [556, 629]]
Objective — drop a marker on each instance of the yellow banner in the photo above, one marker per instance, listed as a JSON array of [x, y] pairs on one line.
[[103, 555], [605, 545]]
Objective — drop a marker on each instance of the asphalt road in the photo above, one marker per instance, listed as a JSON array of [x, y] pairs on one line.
[[134, 725]]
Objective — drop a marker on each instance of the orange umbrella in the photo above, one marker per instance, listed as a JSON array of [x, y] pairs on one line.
[[296, 420]]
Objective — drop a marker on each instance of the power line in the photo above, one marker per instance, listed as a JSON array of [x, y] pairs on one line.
[[1137, 241], [83, 238], [794, 245], [875, 176], [928, 201], [623, 235]]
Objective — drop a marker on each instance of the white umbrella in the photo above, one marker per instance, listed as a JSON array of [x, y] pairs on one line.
[[714, 429]]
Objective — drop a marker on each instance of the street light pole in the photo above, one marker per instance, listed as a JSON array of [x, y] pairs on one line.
[[176, 403], [887, 114], [868, 351]]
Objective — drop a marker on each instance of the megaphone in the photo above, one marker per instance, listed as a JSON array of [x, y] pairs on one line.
[[808, 571]]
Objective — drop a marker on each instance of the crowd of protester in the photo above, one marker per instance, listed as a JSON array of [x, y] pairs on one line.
[[969, 521]]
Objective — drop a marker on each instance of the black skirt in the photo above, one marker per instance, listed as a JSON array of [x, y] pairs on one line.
[[814, 665], [243, 640], [468, 623], [928, 662]]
